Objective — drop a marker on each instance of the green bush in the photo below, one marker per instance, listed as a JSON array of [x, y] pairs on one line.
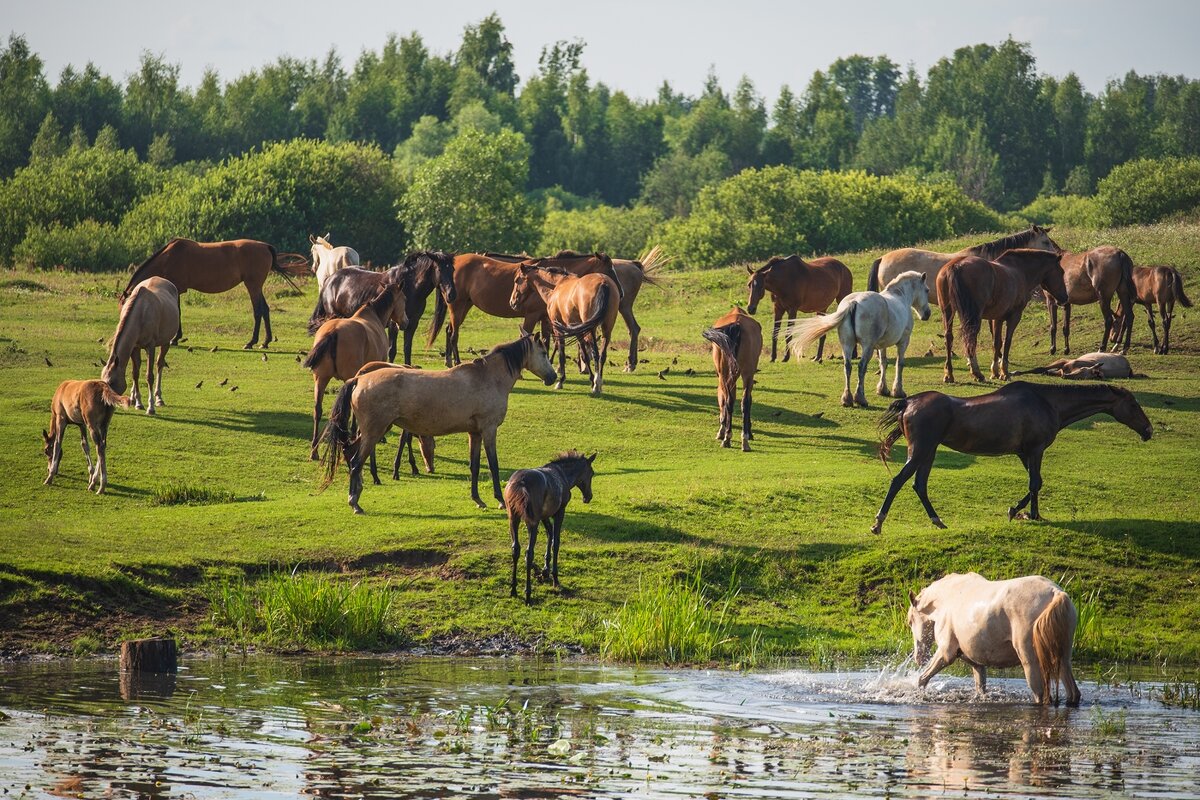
[[1147, 190], [89, 246], [1070, 210], [620, 232]]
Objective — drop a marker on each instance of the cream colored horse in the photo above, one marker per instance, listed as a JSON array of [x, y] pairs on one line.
[[1093, 366], [1028, 621], [327, 259], [149, 320]]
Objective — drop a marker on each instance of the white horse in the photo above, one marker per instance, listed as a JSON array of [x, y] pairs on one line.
[[1028, 621], [327, 259], [874, 321]]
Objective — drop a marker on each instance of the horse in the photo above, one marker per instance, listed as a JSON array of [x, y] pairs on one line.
[[736, 345], [540, 496], [1098, 366], [885, 268], [1020, 418], [1161, 286], [88, 404], [1028, 621], [343, 346], [215, 267], [149, 320], [1095, 276], [327, 259], [977, 289], [798, 285], [577, 306], [419, 275], [874, 321], [470, 398]]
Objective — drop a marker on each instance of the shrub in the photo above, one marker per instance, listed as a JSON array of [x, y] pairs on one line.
[[1070, 210], [88, 246], [620, 232], [1147, 190]]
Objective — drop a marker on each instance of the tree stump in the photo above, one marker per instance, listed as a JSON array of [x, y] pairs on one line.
[[149, 655]]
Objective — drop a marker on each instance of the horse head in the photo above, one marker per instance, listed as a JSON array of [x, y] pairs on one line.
[[48, 442], [920, 291], [1041, 240], [921, 626], [445, 275], [1054, 280], [112, 376], [585, 479], [537, 360], [1129, 413], [522, 286], [757, 287]]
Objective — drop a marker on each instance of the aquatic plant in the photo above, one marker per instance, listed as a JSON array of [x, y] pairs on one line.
[[671, 622]]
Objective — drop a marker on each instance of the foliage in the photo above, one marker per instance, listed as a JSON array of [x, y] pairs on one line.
[[670, 622], [620, 232], [87, 246], [1147, 190], [1062, 210], [188, 494]]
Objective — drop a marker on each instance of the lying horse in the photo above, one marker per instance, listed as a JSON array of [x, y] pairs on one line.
[[1021, 418], [1028, 621], [88, 404], [149, 320], [736, 345], [1098, 366], [540, 496]]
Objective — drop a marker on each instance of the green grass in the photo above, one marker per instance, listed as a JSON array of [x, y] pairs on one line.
[[671, 622], [789, 520], [184, 494]]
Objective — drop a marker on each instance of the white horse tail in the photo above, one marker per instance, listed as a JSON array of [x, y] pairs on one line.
[[1052, 640], [804, 332]]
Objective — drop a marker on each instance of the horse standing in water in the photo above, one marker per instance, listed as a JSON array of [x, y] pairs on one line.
[[736, 345], [1020, 418], [1093, 276], [797, 285], [149, 320], [88, 404], [540, 496], [325, 259], [1161, 286], [874, 321], [1026, 621]]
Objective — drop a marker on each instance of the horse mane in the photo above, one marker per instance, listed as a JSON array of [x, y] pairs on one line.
[[568, 456], [136, 277], [773, 260], [990, 250], [125, 309], [546, 268], [513, 353], [381, 301]]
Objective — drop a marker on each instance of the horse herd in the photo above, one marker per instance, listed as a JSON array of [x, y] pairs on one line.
[[574, 297]]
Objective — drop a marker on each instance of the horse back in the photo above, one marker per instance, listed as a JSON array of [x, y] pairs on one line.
[[213, 267]]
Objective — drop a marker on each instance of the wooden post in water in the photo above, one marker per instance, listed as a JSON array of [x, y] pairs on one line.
[[149, 655]]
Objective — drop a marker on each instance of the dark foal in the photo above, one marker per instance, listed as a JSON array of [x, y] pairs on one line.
[[540, 496]]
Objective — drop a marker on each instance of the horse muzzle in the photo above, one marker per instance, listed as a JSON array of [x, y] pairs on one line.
[[1146, 434], [925, 317], [550, 381]]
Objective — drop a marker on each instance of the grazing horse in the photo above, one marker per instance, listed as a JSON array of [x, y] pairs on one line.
[[1095, 276], [540, 496], [797, 285], [1026, 621], [1021, 418], [929, 263], [149, 320], [215, 267], [577, 306], [1161, 286], [343, 346], [88, 404], [977, 289], [1097, 366], [327, 259], [736, 345], [470, 398], [874, 321]]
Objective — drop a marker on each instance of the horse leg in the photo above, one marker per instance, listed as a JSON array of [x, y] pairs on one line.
[[1033, 669], [561, 343], [1010, 328], [860, 396], [747, 435], [100, 437], [548, 524], [319, 384], [898, 381], [162, 365], [1107, 312], [532, 527], [1154, 329], [558, 521], [997, 326], [722, 408], [514, 524], [948, 330], [393, 332], [1066, 329], [1033, 465], [405, 437], [944, 657], [374, 469], [489, 446], [1168, 316], [787, 337], [775, 333], [881, 388], [847, 367], [256, 307], [476, 441], [921, 487], [634, 330], [266, 316], [409, 333], [135, 360], [87, 455], [55, 454], [150, 380], [901, 478], [1052, 311], [598, 357], [979, 671], [1065, 675], [426, 444]]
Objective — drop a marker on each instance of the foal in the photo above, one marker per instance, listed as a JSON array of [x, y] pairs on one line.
[[88, 404], [541, 496], [736, 345]]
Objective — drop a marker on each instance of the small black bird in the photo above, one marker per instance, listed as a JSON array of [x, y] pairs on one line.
[[662, 374], [233, 388], [213, 349], [675, 360], [190, 349], [198, 385], [689, 371], [222, 383], [48, 364], [264, 356]]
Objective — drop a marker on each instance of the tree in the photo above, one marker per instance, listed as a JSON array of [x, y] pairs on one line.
[[543, 104], [675, 179], [869, 86], [154, 103], [89, 99], [486, 51], [961, 150], [1070, 108], [48, 143], [24, 101]]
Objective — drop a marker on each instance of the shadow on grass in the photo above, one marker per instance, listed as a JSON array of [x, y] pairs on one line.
[[289, 424], [1173, 537]]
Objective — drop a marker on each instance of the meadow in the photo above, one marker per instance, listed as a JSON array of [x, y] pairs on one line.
[[217, 489]]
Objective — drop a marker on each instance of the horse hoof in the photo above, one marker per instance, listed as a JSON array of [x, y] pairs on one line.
[[937, 523], [847, 401], [947, 379], [558, 385], [898, 394], [150, 409], [1012, 513], [745, 446], [862, 401], [249, 346], [724, 443], [877, 528], [354, 507]]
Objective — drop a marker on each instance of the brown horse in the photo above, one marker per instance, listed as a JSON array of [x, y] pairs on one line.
[[736, 345], [1093, 276], [1161, 286], [215, 267], [540, 496], [470, 398], [1020, 418], [977, 289], [149, 320], [343, 346], [88, 404], [577, 306], [798, 285]]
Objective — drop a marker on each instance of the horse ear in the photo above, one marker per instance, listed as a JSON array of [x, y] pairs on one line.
[[912, 598], [312, 239], [749, 269], [592, 457], [45, 436]]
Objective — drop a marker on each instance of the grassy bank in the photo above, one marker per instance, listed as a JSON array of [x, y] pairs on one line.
[[218, 489]]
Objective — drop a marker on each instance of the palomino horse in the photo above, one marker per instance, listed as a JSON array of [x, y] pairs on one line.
[[1095, 276], [928, 262], [577, 306], [1021, 418], [1093, 366], [327, 259], [1161, 286], [874, 321], [977, 289], [419, 275], [343, 346], [540, 496], [797, 285], [149, 320], [470, 398], [487, 281], [736, 345], [1026, 621], [88, 404], [215, 267]]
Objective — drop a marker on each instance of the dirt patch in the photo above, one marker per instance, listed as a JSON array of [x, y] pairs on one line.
[[406, 558]]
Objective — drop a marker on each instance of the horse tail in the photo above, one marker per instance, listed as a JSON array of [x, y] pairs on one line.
[[651, 263], [806, 331], [963, 303], [289, 269], [111, 398], [1052, 640], [1177, 288], [890, 427], [437, 318], [728, 338], [590, 323], [516, 500], [336, 436], [325, 346], [873, 276], [319, 314]]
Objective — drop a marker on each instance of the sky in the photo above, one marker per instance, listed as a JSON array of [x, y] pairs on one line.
[[632, 46]]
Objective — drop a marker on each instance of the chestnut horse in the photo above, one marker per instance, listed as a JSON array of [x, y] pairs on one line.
[[540, 497], [325, 259], [798, 285], [1161, 286], [1093, 276], [215, 267], [977, 289], [149, 320], [1020, 418], [736, 345], [88, 404]]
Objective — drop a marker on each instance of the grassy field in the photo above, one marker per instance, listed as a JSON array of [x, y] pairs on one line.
[[787, 524]]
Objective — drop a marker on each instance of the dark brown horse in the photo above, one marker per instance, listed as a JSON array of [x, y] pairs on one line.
[[977, 289], [540, 496], [736, 345], [1161, 286], [215, 267], [797, 285], [1020, 418], [1093, 276]]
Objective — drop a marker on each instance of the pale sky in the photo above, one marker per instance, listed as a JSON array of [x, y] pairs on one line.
[[631, 45]]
